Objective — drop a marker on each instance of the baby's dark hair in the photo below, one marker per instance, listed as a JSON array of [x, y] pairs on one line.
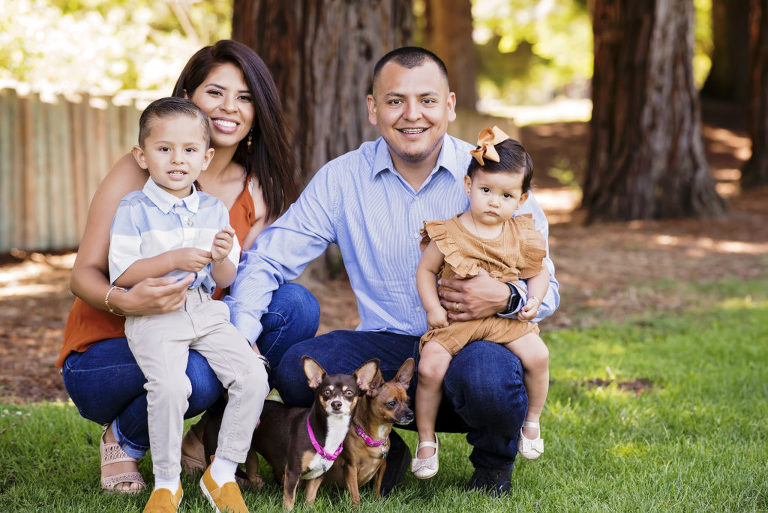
[[170, 106], [512, 158]]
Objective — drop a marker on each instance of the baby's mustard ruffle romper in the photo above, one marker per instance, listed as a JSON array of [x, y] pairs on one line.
[[515, 254]]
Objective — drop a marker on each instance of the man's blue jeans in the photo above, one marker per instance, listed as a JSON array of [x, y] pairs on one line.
[[484, 395], [106, 384]]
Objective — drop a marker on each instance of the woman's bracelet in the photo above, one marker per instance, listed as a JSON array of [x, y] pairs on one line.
[[106, 299]]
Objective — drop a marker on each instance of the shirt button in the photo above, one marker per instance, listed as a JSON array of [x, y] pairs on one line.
[[418, 309], [417, 236]]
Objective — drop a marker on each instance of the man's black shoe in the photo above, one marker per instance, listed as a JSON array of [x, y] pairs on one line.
[[493, 481], [398, 462]]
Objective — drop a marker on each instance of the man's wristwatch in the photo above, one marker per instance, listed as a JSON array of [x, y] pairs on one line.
[[514, 299]]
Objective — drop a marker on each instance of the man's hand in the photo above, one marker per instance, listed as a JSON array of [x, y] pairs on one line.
[[473, 298], [437, 318], [189, 259], [222, 244]]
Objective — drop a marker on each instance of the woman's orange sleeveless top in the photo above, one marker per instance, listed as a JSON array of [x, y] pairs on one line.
[[87, 325]]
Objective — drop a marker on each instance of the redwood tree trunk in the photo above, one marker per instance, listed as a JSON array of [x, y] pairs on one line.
[[728, 78], [755, 172], [449, 35], [321, 54], [646, 156]]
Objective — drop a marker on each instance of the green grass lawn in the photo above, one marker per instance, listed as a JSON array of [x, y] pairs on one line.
[[663, 414]]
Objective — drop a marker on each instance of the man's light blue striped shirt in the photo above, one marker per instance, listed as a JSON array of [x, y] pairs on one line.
[[361, 203]]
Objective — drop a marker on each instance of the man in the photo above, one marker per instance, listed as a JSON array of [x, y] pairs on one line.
[[372, 202]]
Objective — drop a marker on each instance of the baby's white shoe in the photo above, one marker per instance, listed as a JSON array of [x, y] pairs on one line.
[[530, 449], [424, 468]]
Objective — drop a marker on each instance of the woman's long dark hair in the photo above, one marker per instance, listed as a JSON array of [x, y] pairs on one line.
[[270, 159]]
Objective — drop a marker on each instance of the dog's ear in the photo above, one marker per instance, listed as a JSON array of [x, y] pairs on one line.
[[405, 373], [313, 370], [376, 383], [366, 373]]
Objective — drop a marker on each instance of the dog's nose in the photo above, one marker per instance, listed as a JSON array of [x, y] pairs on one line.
[[336, 405], [408, 416]]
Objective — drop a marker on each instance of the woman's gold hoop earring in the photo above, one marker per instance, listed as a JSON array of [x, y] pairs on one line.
[[250, 139]]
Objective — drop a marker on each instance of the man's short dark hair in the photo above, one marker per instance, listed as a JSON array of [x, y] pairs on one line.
[[408, 57], [165, 107]]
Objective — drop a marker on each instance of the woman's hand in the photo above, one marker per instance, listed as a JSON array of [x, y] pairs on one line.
[[152, 296], [473, 298]]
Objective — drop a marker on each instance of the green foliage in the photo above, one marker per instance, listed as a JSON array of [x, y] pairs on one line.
[[105, 46], [659, 414], [532, 50], [703, 41]]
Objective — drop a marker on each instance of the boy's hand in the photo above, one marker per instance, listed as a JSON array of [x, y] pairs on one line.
[[222, 244], [437, 318], [529, 311], [190, 259]]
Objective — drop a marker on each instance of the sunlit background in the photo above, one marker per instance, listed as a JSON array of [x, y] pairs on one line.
[[530, 52]]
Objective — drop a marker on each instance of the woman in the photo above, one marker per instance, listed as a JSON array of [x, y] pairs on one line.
[[252, 173]]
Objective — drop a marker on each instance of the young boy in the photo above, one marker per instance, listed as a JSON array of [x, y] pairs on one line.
[[170, 228]]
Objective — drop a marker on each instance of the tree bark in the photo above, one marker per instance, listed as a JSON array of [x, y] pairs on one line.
[[449, 35], [755, 171], [728, 78], [646, 155], [321, 54]]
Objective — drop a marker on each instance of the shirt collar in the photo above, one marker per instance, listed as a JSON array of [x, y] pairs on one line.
[[447, 159], [165, 201]]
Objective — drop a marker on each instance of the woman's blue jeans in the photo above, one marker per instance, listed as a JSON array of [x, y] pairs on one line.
[[106, 384], [483, 392]]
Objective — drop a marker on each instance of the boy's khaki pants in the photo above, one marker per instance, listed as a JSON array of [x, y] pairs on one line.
[[161, 344]]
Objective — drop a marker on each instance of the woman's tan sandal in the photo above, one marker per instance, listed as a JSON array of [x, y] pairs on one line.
[[111, 452]]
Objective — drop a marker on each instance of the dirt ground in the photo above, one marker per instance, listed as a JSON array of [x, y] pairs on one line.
[[606, 271]]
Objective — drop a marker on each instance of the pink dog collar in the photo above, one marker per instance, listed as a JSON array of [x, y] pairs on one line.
[[370, 442], [322, 452]]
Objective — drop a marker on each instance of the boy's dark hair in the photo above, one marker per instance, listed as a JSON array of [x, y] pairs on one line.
[[172, 106], [512, 158], [408, 57]]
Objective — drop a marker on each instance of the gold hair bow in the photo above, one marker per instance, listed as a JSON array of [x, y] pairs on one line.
[[486, 140]]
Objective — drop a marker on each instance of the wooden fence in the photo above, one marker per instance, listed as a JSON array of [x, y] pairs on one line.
[[53, 155], [55, 152]]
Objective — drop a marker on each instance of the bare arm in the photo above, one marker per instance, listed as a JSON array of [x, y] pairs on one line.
[[223, 269], [426, 277], [186, 259], [537, 288], [89, 275]]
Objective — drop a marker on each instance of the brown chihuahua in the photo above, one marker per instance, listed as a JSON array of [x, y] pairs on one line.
[[303, 443], [367, 443]]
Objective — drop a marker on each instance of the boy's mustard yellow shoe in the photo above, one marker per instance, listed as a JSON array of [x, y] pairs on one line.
[[224, 499], [163, 501]]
